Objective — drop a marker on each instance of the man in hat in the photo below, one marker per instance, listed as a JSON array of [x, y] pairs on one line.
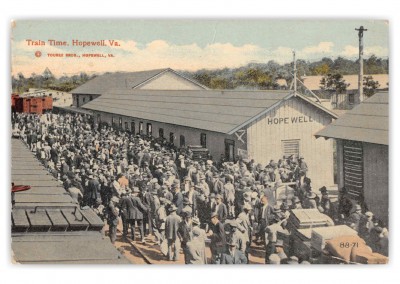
[[178, 198], [296, 203], [185, 230], [355, 217], [266, 214], [136, 213], [229, 195], [218, 238], [310, 202], [112, 213], [220, 208], [217, 185], [125, 207], [195, 248], [325, 205], [233, 255], [271, 236], [93, 190], [244, 224], [274, 259], [238, 235], [171, 233]]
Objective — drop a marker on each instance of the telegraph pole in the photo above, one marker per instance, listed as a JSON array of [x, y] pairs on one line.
[[361, 31], [294, 72]]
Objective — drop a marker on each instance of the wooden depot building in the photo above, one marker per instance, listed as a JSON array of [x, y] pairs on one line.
[[259, 125], [363, 153]]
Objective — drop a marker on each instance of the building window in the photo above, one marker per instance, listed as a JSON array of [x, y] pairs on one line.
[[133, 127], [203, 140], [141, 128], [182, 141], [351, 99], [161, 132], [171, 137], [112, 121], [291, 147], [98, 118], [149, 129], [120, 123], [126, 126], [84, 100], [353, 167], [91, 98]]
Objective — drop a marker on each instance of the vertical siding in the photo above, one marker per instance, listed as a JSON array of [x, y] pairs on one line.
[[265, 140], [376, 179]]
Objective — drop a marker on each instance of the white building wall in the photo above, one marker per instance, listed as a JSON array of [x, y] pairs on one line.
[[294, 119], [169, 81]]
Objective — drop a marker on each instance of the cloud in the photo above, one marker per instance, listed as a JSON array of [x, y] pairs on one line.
[[322, 47], [352, 51], [134, 56]]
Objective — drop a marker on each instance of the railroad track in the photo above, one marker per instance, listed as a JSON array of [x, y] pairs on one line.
[[136, 248]]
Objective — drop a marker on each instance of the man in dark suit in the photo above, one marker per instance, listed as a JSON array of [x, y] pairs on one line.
[[218, 239], [233, 255], [171, 233], [93, 190], [178, 198], [136, 213], [217, 185], [265, 216], [185, 231], [125, 203], [220, 209]]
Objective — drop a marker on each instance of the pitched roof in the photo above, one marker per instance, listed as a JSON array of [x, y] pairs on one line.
[[367, 122], [119, 80], [105, 82], [314, 82], [219, 111]]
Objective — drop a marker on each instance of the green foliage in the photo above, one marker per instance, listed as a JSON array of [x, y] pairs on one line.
[[369, 86], [47, 80], [334, 83]]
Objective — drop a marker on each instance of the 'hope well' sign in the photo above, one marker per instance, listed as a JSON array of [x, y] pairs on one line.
[[289, 120]]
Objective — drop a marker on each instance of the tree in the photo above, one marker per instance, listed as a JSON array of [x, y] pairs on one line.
[[334, 84], [321, 69], [369, 86]]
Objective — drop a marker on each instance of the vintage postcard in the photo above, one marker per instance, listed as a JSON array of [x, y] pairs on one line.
[[235, 141]]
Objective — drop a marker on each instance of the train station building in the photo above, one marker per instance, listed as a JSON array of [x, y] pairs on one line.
[[259, 125], [363, 153]]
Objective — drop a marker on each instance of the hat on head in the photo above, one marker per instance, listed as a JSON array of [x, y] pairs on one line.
[[187, 212], [323, 189], [218, 196], [115, 199], [233, 224], [369, 214], [196, 221], [209, 162], [311, 195], [186, 200], [181, 157], [357, 207], [247, 206], [212, 195], [136, 189], [214, 214], [279, 243], [172, 208], [196, 231], [277, 209]]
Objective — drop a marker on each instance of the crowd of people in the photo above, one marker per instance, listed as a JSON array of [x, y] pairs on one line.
[[155, 188]]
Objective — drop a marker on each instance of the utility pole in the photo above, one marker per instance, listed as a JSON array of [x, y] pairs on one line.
[[361, 31], [294, 72]]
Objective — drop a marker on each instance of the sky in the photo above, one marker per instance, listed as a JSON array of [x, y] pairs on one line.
[[187, 44]]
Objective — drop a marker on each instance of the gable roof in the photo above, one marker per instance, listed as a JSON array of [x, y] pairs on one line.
[[367, 122], [214, 110], [128, 80], [314, 82]]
